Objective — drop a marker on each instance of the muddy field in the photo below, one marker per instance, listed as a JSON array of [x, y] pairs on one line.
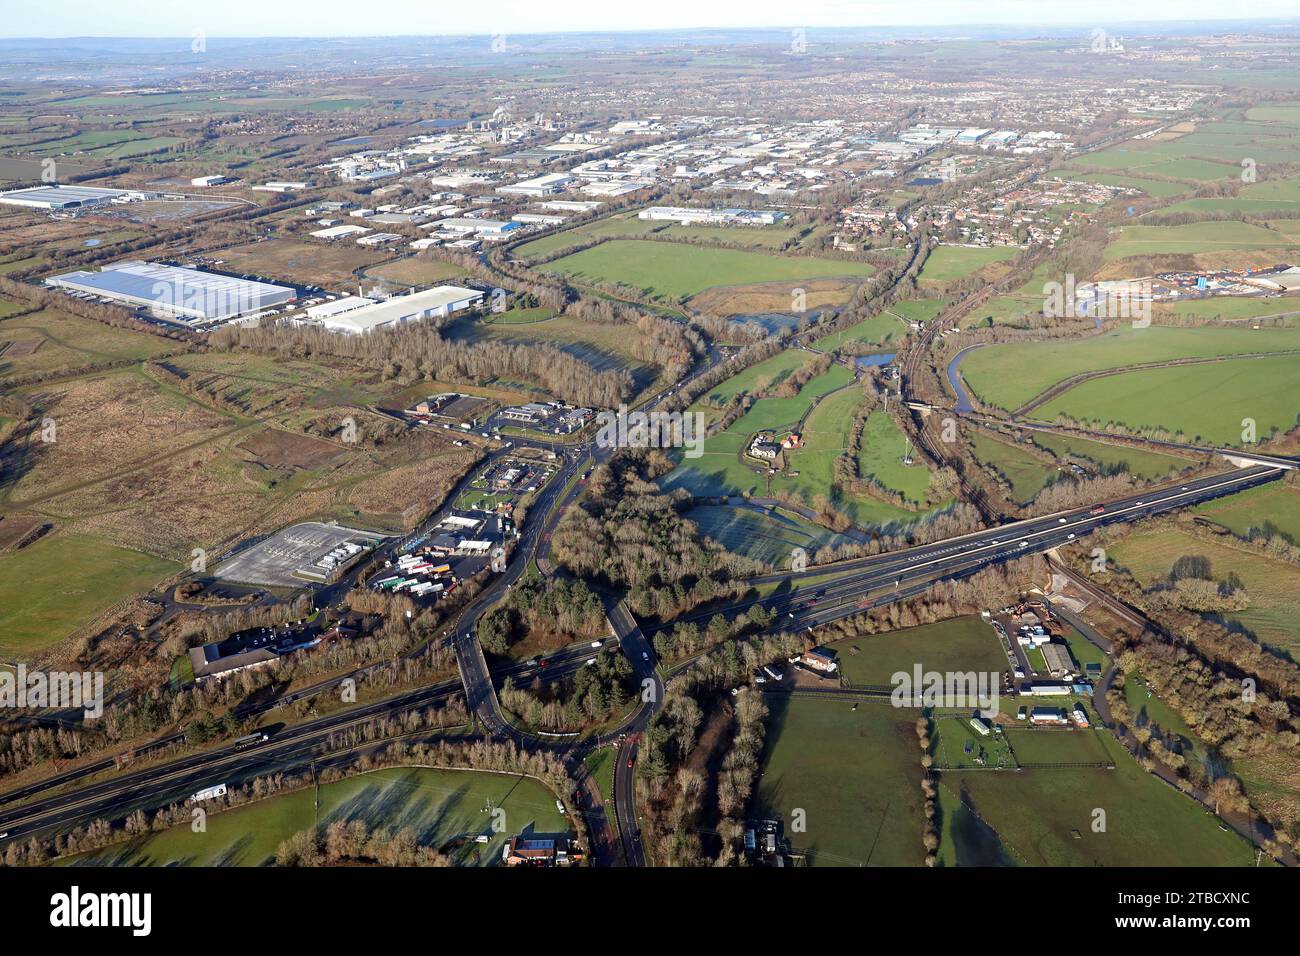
[[273, 448]]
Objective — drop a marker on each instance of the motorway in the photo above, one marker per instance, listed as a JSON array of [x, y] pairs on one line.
[[805, 599]]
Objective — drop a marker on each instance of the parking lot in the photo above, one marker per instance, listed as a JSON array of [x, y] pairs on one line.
[[288, 557]]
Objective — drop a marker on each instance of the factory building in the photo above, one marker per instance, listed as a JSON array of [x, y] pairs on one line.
[[540, 186], [185, 295], [57, 197], [368, 315]]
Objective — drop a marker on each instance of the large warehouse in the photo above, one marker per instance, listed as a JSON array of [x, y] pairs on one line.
[[368, 316], [186, 295], [56, 197]]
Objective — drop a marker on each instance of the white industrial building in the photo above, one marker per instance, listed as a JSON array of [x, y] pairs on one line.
[[186, 295], [540, 186], [332, 233], [357, 316], [712, 217], [56, 197]]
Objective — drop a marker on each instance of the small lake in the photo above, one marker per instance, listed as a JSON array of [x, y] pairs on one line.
[[875, 360]]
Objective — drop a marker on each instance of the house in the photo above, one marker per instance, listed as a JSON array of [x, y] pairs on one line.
[[820, 659], [525, 852]]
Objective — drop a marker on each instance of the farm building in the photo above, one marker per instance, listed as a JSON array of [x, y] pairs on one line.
[[1048, 715]]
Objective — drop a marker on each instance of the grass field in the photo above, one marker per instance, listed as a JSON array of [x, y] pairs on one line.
[[64, 342], [1231, 307], [946, 263], [721, 471], [958, 645], [439, 805], [1212, 236], [759, 377], [768, 536], [877, 330], [880, 456], [417, 271], [1027, 475], [1273, 586], [1155, 188], [675, 271], [1010, 374], [855, 774], [1045, 817], [52, 587], [1271, 508], [1135, 461], [627, 225], [1170, 398]]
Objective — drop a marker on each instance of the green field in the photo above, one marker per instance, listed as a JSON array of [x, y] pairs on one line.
[[1266, 198], [1026, 474], [880, 456], [439, 805], [1273, 586], [1135, 461], [1010, 374], [1272, 508], [768, 536], [1212, 236], [760, 377], [854, 774], [52, 587], [946, 263], [1232, 307], [1171, 399], [69, 342], [720, 470], [877, 330], [1045, 817], [677, 271], [958, 645], [1157, 189]]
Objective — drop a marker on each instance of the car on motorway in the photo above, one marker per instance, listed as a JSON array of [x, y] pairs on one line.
[[1023, 544], [1070, 536], [589, 661], [1060, 521], [645, 655], [597, 643], [630, 762], [1099, 509]]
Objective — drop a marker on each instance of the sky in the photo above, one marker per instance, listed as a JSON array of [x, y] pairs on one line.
[[312, 18]]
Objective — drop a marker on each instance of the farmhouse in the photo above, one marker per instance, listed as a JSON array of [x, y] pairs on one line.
[[820, 659]]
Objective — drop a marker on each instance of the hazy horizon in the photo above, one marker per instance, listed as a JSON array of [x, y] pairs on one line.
[[334, 19]]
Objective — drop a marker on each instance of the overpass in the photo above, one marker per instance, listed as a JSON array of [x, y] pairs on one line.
[[1245, 459]]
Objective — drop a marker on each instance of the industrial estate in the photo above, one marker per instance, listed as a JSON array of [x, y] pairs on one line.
[[739, 448]]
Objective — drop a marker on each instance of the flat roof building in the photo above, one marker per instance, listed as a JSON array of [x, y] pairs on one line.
[[187, 295], [430, 303], [70, 197]]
